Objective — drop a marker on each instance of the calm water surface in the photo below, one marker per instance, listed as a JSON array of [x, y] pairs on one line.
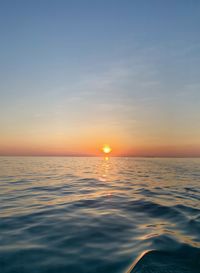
[[75, 215]]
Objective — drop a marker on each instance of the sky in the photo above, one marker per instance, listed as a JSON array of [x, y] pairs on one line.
[[78, 74]]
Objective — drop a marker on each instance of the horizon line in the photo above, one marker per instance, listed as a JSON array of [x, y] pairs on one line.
[[129, 156]]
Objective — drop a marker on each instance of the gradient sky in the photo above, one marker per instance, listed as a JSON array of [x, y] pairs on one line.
[[77, 74]]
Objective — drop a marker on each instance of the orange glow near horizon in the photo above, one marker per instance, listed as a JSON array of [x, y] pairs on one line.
[[91, 145]]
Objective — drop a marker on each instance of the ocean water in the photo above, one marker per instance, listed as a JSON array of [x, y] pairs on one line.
[[98, 215]]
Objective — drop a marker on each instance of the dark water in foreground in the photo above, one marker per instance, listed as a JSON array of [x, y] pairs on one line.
[[75, 215]]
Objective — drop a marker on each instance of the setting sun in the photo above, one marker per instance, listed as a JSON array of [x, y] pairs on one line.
[[106, 149]]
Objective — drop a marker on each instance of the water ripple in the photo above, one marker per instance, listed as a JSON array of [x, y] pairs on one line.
[[93, 215]]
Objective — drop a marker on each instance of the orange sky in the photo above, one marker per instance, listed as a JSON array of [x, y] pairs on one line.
[[92, 146]]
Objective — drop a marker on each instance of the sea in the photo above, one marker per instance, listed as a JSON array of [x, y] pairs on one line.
[[99, 215]]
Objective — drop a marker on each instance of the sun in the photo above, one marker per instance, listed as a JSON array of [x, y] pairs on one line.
[[106, 149]]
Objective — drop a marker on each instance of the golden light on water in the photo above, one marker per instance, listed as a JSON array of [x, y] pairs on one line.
[[106, 149]]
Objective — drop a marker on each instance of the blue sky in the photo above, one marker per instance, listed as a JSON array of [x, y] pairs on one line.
[[122, 72]]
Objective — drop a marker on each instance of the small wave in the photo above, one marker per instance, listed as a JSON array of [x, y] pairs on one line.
[[154, 209], [184, 260]]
